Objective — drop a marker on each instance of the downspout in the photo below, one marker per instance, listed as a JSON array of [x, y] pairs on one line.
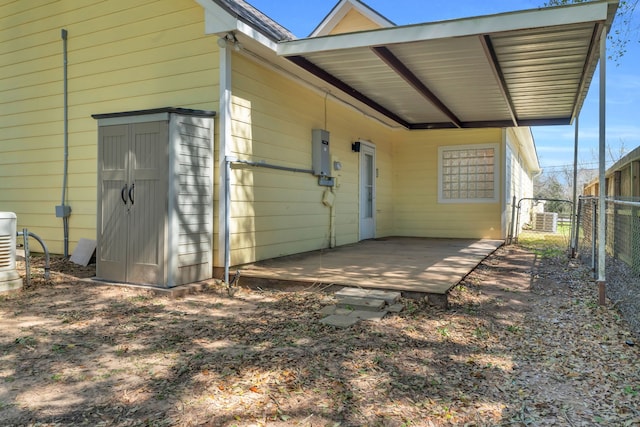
[[224, 162], [64, 211]]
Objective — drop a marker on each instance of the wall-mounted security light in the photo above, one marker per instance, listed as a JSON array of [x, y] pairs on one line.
[[355, 147]]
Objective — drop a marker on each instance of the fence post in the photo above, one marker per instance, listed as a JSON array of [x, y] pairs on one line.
[[594, 233], [576, 233], [513, 218], [635, 240]]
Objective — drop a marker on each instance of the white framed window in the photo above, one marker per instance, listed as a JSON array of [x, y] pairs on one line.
[[468, 173]]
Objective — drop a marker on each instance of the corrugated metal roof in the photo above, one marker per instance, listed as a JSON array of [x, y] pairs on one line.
[[520, 68]]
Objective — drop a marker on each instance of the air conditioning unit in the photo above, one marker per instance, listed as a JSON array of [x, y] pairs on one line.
[[9, 277], [545, 221]]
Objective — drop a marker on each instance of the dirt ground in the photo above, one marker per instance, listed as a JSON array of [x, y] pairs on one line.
[[523, 343]]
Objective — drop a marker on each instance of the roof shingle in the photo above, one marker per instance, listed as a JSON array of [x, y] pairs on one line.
[[252, 16]]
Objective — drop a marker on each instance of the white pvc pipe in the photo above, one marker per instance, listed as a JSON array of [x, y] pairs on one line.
[[223, 164]]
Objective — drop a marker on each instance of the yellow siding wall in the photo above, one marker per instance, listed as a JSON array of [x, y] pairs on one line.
[[519, 183], [275, 212], [123, 55], [127, 55], [415, 188], [354, 21]]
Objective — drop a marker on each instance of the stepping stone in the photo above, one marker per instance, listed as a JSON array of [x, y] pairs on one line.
[[389, 297], [358, 303], [395, 308], [328, 310], [339, 320], [376, 316]]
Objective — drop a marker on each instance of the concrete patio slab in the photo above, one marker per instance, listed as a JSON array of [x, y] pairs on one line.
[[413, 266]]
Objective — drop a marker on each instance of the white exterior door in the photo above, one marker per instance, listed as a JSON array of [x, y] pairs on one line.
[[367, 191]]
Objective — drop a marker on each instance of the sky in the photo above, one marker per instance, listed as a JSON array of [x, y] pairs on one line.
[[554, 144]]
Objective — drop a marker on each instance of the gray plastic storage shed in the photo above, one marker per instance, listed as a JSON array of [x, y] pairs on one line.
[[155, 196]]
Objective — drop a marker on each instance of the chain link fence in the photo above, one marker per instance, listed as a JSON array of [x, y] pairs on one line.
[[622, 241], [542, 223]]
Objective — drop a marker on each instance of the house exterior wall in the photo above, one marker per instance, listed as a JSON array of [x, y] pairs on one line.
[[417, 211], [354, 21], [122, 56], [126, 56], [518, 183], [274, 212]]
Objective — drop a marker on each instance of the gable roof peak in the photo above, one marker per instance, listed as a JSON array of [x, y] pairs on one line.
[[341, 9]]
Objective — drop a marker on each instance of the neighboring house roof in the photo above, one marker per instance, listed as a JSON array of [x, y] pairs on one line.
[[243, 11], [342, 9]]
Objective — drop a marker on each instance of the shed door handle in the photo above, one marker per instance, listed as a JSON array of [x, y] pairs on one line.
[[131, 192], [122, 196]]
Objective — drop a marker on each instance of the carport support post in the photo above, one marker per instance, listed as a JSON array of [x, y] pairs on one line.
[[224, 197], [574, 210], [602, 216]]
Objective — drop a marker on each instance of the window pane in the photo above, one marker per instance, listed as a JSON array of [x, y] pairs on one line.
[[468, 173]]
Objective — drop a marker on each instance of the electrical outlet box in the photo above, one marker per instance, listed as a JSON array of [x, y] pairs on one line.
[[326, 181], [321, 156], [63, 211]]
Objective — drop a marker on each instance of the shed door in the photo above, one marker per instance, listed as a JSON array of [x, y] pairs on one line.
[[113, 163], [367, 191], [147, 196], [132, 176]]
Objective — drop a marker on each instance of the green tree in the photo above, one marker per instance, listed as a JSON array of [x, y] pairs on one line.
[[548, 186], [624, 27]]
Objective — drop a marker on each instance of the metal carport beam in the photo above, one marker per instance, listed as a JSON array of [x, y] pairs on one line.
[[599, 31], [494, 63], [398, 66], [336, 82]]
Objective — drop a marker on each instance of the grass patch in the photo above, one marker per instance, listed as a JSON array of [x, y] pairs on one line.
[[545, 245]]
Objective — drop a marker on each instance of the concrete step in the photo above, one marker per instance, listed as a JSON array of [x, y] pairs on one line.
[[390, 297], [359, 303], [354, 304]]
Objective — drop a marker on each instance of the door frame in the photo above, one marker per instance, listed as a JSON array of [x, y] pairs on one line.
[[366, 231]]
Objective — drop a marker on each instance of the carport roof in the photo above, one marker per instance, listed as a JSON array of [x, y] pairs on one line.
[[521, 68]]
